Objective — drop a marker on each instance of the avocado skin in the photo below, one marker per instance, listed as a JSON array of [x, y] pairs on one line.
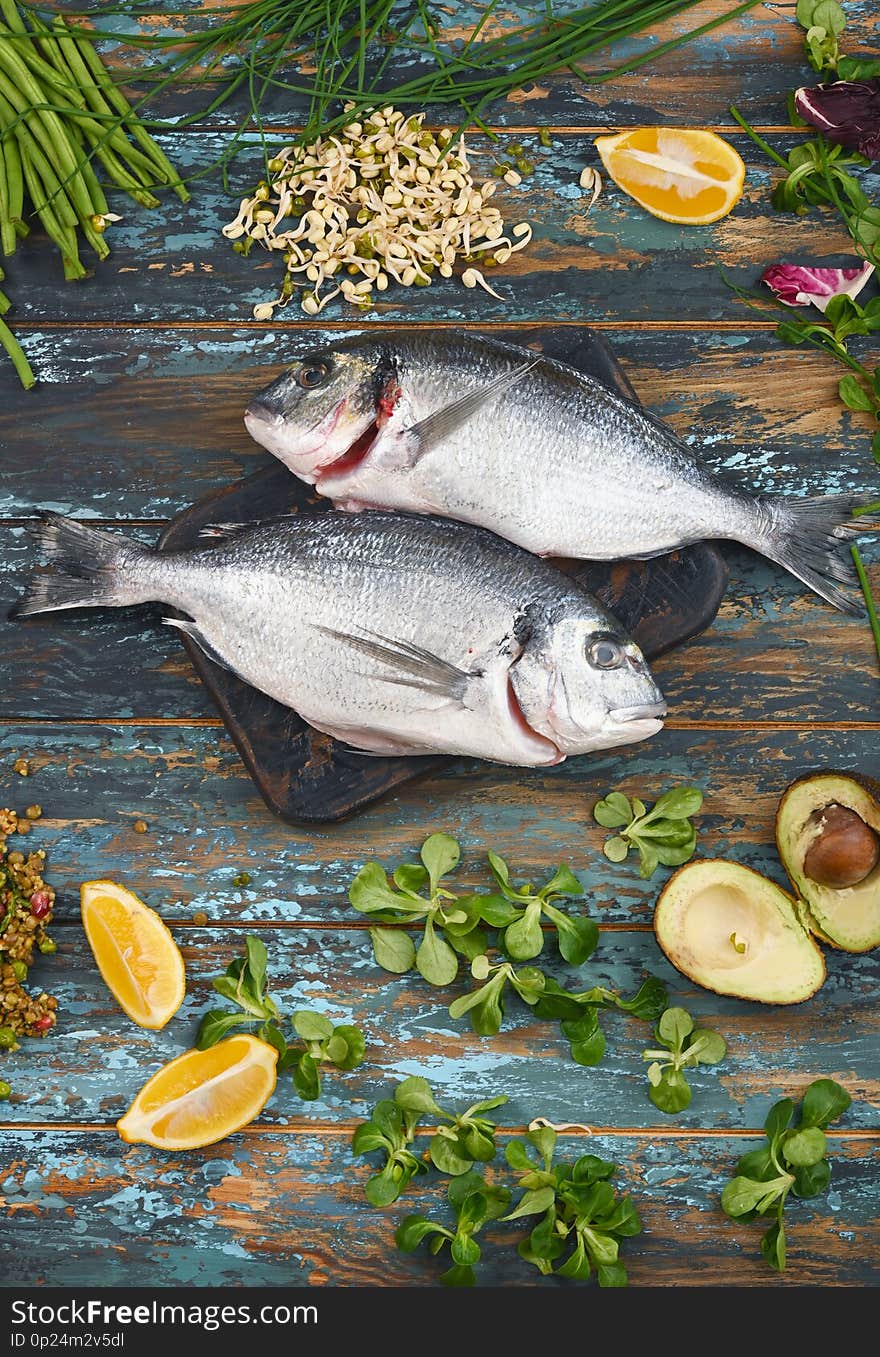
[[869, 785], [792, 901]]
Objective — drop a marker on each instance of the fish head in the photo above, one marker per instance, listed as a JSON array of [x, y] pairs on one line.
[[318, 413], [585, 685]]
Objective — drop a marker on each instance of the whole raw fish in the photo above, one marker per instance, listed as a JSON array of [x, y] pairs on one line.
[[396, 634], [480, 431]]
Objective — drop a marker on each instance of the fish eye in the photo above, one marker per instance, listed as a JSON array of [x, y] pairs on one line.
[[605, 653], [312, 375]]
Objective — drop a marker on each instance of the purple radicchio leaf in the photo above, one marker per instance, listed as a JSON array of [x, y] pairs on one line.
[[848, 112], [801, 284]]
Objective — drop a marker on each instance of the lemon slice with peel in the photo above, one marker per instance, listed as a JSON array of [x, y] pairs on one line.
[[680, 174], [136, 954], [202, 1096]]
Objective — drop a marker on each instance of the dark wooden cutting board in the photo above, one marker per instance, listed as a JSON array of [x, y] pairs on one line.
[[307, 777]]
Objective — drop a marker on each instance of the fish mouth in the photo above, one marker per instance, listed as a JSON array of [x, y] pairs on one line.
[[268, 427], [646, 711]]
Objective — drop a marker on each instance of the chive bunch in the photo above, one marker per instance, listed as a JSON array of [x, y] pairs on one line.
[[61, 118], [340, 51]]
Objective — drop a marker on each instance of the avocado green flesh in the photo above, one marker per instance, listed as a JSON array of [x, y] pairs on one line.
[[847, 917], [734, 932]]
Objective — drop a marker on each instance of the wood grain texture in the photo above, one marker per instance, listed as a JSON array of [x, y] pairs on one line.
[[96, 1061], [752, 60], [144, 372], [613, 263], [206, 823], [281, 1209]]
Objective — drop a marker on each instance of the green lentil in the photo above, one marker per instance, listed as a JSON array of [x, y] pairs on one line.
[[26, 904]]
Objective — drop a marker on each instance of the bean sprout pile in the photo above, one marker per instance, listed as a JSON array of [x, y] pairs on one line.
[[386, 199]]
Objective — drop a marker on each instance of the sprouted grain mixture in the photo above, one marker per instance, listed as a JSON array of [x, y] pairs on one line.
[[26, 904], [386, 200]]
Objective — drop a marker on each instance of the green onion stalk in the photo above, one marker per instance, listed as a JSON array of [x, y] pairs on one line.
[[62, 121], [12, 346]]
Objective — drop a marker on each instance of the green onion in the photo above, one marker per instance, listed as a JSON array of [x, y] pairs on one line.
[[869, 597], [12, 346], [60, 115]]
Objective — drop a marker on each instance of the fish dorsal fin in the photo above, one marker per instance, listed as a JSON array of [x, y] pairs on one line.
[[420, 438], [410, 666], [213, 532]]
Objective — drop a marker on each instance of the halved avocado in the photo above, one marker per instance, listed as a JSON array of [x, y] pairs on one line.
[[733, 931], [828, 826]]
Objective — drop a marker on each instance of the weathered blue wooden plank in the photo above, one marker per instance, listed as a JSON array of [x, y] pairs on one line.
[[107, 434], [206, 823], [615, 262], [281, 1209], [93, 1064], [753, 60]]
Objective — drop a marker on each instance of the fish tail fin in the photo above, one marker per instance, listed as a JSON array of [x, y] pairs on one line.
[[90, 568], [811, 538]]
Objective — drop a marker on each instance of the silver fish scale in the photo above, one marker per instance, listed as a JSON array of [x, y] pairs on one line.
[[267, 600], [625, 484]]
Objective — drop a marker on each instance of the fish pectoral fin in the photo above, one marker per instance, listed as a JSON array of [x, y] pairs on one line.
[[410, 666], [418, 439], [190, 629]]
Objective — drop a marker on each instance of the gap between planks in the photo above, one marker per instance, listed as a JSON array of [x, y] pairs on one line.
[[215, 723], [496, 130], [333, 925], [334, 1129], [680, 326]]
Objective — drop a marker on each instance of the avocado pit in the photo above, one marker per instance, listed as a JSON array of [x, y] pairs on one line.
[[844, 850], [828, 835]]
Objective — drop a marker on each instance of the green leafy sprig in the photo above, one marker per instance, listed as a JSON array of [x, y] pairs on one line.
[[578, 1014], [468, 1138], [246, 984], [485, 1004], [390, 1130], [684, 1046], [792, 1161], [417, 897], [824, 21], [342, 1046], [583, 1220], [452, 923], [520, 911], [474, 1204], [522, 917], [663, 835]]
